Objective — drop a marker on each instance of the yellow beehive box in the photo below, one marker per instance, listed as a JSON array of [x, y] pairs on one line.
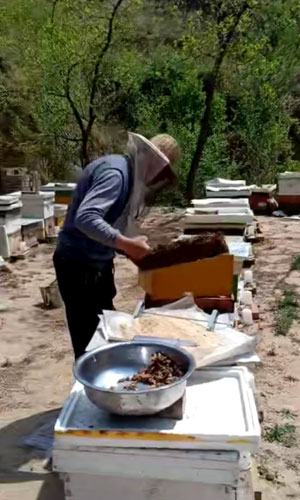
[[63, 199], [59, 221], [203, 278]]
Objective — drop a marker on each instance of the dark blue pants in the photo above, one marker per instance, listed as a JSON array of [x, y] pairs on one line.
[[86, 292]]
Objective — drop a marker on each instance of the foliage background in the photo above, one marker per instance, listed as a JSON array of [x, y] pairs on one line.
[[151, 80]]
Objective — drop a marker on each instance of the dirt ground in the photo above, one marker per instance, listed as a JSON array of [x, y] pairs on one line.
[[278, 378], [36, 361]]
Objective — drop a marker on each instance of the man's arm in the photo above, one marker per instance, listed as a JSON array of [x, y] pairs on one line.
[[89, 219], [102, 195]]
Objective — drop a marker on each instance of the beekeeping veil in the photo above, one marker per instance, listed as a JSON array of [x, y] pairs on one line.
[[151, 171]]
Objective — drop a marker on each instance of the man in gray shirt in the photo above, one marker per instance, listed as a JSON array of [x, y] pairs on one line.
[[112, 193]]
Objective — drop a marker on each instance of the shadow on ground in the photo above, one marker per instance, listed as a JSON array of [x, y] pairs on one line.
[[21, 471]]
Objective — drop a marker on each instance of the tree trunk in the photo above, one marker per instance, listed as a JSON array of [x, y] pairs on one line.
[[85, 160], [224, 42], [204, 134]]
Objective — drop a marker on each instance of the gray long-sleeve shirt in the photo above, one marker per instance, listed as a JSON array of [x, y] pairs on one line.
[[103, 194], [89, 234]]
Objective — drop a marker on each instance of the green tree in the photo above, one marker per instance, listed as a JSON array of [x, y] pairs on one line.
[[216, 74], [68, 56], [78, 38], [220, 35]]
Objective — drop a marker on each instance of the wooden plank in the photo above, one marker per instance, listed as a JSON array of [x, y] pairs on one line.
[[225, 230], [203, 278], [222, 304], [91, 487], [184, 467]]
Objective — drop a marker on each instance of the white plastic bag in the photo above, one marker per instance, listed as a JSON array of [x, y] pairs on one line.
[[232, 342]]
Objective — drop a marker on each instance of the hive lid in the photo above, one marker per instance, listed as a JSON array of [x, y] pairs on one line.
[[9, 210], [38, 197], [220, 415], [9, 199], [221, 202], [218, 182], [59, 186], [230, 189], [289, 175], [265, 188], [244, 217]]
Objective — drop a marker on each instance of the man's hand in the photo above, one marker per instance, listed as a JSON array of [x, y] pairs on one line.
[[134, 248]]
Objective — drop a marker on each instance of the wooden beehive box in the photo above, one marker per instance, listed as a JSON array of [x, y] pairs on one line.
[[203, 278]]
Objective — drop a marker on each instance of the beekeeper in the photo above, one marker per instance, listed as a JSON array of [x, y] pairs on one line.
[[112, 193]]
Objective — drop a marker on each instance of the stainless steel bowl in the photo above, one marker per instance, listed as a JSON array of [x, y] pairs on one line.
[[100, 372]]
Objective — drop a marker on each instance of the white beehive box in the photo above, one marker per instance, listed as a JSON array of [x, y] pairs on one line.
[[219, 182], [59, 186], [210, 393], [10, 242], [238, 216], [60, 210], [289, 184], [230, 192], [264, 189], [10, 212], [109, 457], [38, 205], [94, 487], [227, 188], [220, 202]]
